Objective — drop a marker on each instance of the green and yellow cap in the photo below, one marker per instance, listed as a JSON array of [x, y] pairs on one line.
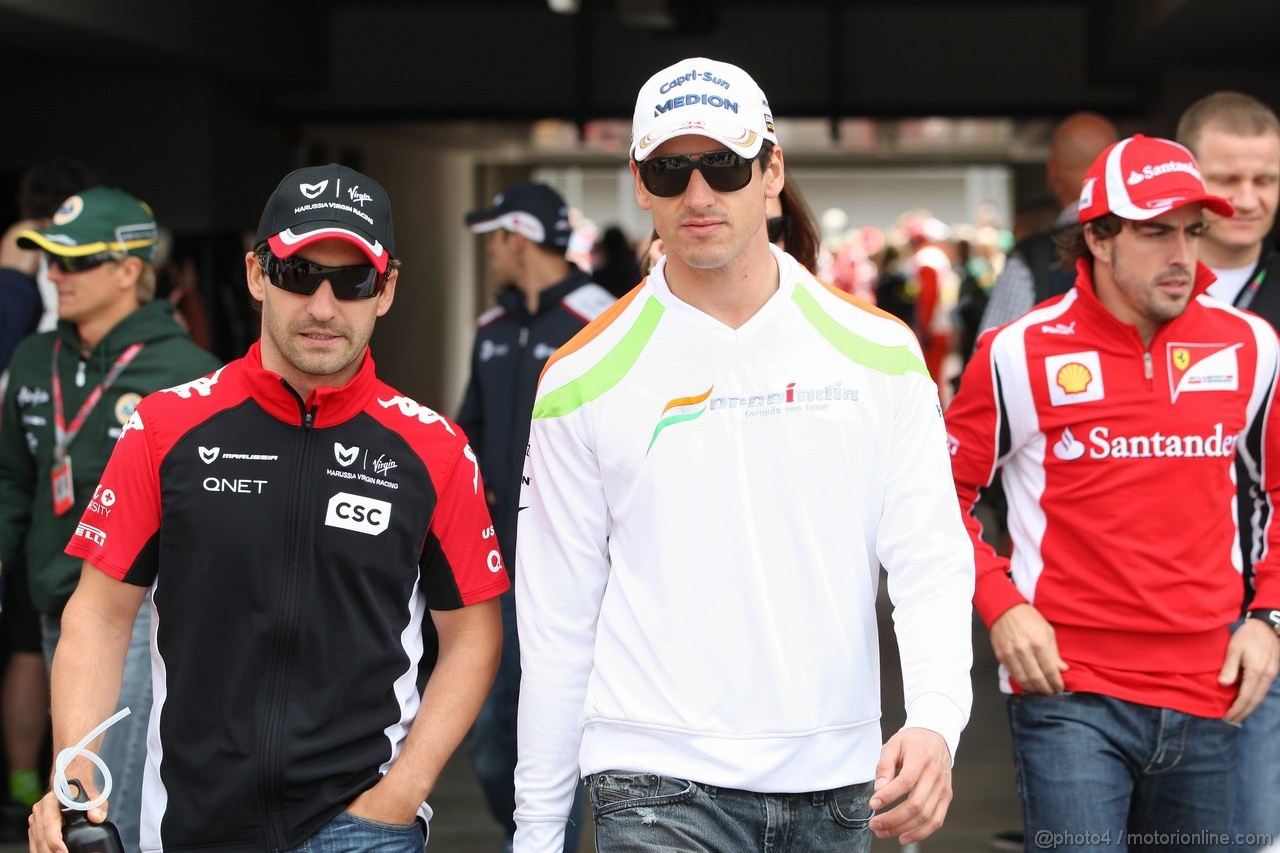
[[102, 219]]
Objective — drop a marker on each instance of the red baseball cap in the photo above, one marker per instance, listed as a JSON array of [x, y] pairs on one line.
[[1143, 177]]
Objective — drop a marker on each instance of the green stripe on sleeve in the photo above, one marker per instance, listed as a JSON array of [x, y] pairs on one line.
[[607, 372], [893, 361]]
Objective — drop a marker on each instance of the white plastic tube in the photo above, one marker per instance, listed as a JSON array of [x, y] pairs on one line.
[[60, 787]]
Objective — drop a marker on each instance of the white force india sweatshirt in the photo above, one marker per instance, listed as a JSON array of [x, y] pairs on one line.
[[703, 519]]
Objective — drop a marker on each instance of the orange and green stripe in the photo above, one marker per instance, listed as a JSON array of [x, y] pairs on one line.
[[890, 360], [610, 369]]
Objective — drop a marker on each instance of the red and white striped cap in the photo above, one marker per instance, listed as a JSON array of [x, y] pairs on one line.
[[1143, 177]]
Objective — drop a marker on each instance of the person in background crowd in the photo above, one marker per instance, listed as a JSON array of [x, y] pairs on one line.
[[1236, 140], [892, 292], [1033, 271], [1111, 621], [792, 228], [649, 252], [28, 299], [70, 395], [28, 302], [709, 712], [617, 270], [297, 520], [545, 302]]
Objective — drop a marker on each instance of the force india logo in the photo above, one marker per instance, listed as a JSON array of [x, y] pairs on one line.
[[1157, 445], [786, 400]]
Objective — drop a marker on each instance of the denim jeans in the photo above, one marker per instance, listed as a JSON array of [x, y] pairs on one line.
[[124, 746], [1096, 772], [347, 833], [1255, 807], [492, 743], [644, 813]]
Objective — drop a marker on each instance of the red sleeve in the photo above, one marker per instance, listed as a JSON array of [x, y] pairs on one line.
[[974, 426], [124, 515], [462, 551]]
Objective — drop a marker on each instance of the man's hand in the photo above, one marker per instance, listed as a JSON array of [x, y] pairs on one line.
[[1253, 658], [386, 802], [915, 764], [25, 261], [1024, 642], [44, 826]]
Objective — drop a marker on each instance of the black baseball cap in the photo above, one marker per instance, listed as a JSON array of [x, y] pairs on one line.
[[329, 203], [533, 210]]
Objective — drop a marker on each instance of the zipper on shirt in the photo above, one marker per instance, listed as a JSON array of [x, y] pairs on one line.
[[271, 768], [80, 374], [1146, 366]]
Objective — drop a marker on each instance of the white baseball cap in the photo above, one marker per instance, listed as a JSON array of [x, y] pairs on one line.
[[702, 97]]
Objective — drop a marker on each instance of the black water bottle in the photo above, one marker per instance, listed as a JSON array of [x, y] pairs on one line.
[[81, 836]]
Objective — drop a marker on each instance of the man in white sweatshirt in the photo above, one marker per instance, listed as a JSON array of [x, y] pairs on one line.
[[718, 466]]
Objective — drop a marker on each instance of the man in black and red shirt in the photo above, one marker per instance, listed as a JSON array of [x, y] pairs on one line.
[[296, 518]]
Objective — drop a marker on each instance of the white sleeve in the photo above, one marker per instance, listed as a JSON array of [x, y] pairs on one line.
[[928, 556], [562, 566]]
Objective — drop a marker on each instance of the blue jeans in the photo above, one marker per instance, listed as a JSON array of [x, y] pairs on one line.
[[492, 743], [1100, 772], [347, 833], [644, 813], [1255, 808], [124, 746]]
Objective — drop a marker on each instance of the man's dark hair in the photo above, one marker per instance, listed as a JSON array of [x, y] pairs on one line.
[[1071, 243], [802, 236], [45, 186]]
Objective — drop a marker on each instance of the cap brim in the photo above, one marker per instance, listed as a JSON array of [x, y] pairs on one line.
[[49, 243], [1217, 204], [289, 242], [515, 221], [740, 140], [480, 221]]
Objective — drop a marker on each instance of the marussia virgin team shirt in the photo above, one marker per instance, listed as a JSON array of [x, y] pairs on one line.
[[294, 547]]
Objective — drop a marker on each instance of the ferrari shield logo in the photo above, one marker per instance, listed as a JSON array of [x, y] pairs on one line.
[[1181, 358]]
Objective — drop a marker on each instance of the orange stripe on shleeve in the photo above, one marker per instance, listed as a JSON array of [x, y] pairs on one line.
[[858, 302], [686, 401], [593, 329]]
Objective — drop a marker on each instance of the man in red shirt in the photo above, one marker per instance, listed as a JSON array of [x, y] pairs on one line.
[[1116, 413]]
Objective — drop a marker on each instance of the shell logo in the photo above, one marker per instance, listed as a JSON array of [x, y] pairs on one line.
[[1074, 378]]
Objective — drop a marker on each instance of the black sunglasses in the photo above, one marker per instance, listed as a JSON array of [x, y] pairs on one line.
[[82, 263], [296, 275], [667, 177], [778, 227]]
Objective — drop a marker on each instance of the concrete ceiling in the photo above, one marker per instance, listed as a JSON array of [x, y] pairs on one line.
[[197, 105], [516, 59]]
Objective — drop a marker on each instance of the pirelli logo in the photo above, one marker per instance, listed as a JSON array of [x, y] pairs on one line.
[[93, 534]]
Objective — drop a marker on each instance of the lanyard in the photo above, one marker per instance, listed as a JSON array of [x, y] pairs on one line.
[[1251, 289], [62, 434]]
